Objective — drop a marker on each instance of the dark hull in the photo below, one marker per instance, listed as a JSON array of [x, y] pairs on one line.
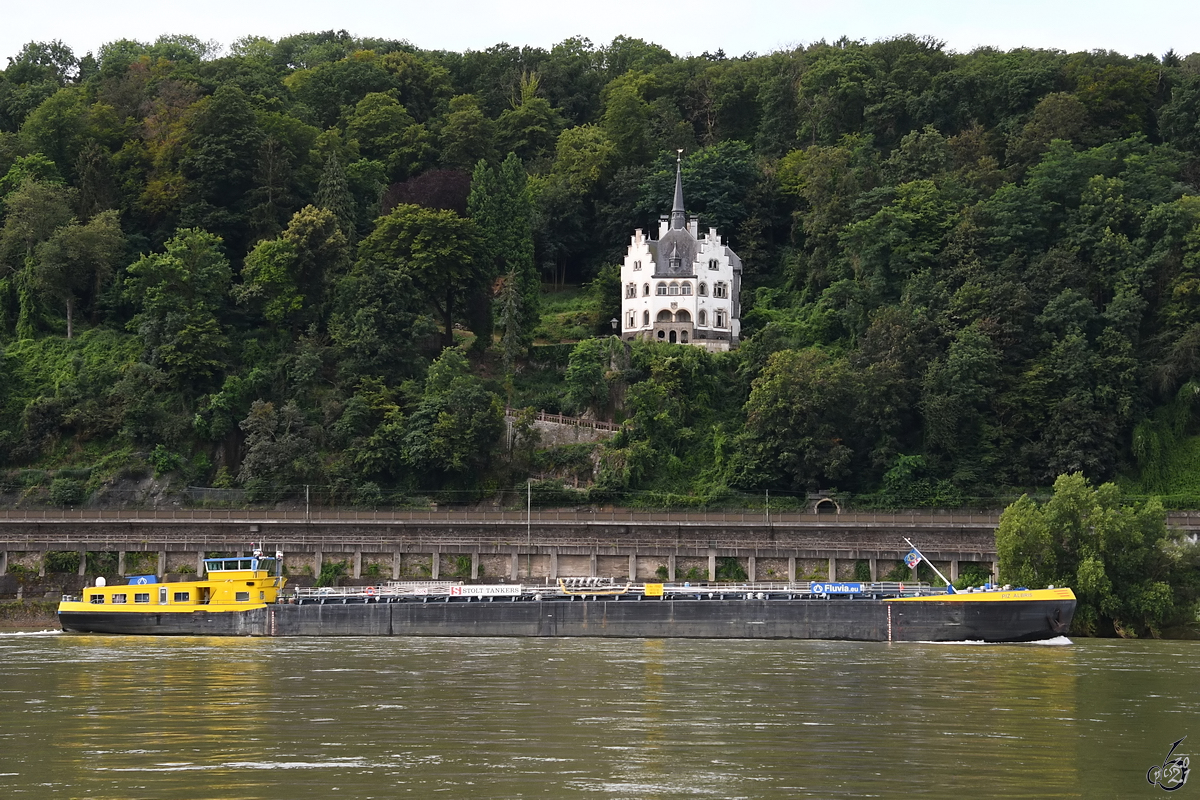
[[858, 619]]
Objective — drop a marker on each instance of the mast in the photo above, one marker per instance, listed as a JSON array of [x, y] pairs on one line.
[[949, 586]]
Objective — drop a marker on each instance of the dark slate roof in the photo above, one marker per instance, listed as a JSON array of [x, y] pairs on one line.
[[676, 243]]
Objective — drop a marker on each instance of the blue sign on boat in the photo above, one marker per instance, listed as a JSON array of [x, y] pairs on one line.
[[141, 580], [835, 588]]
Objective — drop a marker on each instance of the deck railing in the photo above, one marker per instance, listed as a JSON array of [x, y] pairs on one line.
[[561, 419]]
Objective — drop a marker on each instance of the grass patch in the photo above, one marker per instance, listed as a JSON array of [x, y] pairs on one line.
[[568, 315]]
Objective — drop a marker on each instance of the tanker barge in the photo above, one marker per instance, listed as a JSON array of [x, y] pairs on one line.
[[248, 597]]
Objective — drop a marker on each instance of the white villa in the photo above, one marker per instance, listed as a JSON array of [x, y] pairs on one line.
[[682, 287]]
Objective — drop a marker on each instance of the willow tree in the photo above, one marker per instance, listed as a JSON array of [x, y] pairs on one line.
[[1131, 575]]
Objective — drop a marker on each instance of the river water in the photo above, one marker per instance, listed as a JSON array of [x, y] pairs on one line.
[[125, 717]]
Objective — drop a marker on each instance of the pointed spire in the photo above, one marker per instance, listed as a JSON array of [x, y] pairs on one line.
[[678, 217]]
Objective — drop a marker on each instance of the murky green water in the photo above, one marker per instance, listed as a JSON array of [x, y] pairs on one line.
[[117, 717]]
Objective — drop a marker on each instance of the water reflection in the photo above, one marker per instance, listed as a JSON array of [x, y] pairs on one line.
[[481, 718]]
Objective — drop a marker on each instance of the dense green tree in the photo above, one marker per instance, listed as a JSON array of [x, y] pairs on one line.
[[468, 136], [456, 427], [33, 212], [530, 127], [334, 196], [1131, 575], [77, 258], [717, 183], [385, 132], [378, 320], [567, 197], [627, 117], [220, 155], [179, 294], [32, 76], [280, 450], [501, 208], [288, 277], [438, 251], [572, 77], [799, 420], [58, 128]]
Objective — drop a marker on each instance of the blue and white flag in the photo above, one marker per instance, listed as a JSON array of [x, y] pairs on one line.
[[913, 558]]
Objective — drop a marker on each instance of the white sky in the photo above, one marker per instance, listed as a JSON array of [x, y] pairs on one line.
[[737, 26]]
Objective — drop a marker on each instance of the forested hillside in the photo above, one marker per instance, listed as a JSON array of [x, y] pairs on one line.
[[331, 262]]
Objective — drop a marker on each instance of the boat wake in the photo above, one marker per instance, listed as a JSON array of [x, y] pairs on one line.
[[1057, 641], [31, 633]]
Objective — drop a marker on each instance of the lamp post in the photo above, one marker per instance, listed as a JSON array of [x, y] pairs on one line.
[[614, 322]]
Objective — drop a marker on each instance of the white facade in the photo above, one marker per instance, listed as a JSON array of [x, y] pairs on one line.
[[683, 286]]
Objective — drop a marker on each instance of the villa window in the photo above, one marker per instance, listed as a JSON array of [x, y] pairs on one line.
[[646, 290], [660, 290], [631, 290], [720, 320], [714, 264], [645, 317], [718, 290], [686, 289], [673, 289], [637, 265], [703, 317], [702, 290], [629, 320]]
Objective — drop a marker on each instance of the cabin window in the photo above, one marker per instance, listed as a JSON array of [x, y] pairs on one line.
[[98, 599], [141, 597], [242, 597], [120, 598], [262, 595], [183, 597]]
